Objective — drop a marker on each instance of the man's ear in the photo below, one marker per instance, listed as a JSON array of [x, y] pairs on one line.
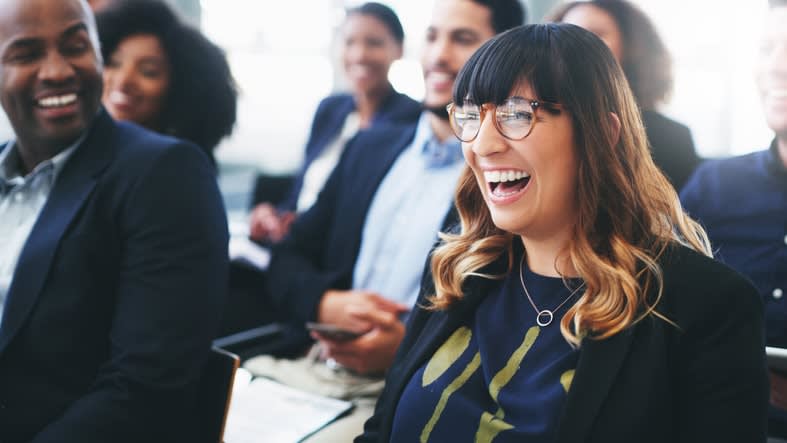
[[615, 125]]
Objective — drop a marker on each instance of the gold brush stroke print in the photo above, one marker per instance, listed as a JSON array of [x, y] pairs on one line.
[[501, 379], [449, 390], [447, 355], [490, 425], [566, 379]]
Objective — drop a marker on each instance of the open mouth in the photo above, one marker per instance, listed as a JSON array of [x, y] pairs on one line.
[[57, 101], [506, 182], [440, 79], [776, 97], [359, 70]]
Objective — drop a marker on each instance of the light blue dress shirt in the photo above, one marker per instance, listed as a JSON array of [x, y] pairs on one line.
[[22, 197], [406, 213]]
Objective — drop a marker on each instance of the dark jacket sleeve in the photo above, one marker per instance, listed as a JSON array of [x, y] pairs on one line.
[[296, 278], [170, 290], [722, 384]]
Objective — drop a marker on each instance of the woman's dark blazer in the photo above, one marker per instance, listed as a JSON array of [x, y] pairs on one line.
[[329, 121], [653, 383], [671, 146]]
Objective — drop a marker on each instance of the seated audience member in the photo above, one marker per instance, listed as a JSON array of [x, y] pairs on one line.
[[354, 260], [165, 75], [645, 60], [372, 39], [742, 202], [110, 287], [576, 302]]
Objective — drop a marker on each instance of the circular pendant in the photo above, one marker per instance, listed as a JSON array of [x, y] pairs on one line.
[[544, 318]]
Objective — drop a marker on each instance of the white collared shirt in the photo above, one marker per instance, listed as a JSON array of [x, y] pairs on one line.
[[21, 200], [405, 215]]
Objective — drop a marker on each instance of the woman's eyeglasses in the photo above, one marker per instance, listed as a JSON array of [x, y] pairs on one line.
[[514, 118]]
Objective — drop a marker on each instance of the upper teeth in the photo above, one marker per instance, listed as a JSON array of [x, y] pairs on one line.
[[60, 100], [504, 176], [359, 69], [440, 76]]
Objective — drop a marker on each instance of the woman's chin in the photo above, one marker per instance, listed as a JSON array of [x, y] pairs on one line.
[[507, 223]]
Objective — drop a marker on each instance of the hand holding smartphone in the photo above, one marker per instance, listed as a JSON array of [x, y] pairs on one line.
[[332, 332]]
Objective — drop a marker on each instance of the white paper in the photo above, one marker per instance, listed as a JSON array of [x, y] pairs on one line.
[[265, 411], [247, 252]]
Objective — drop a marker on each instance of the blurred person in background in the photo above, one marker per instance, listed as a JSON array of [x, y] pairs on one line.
[[372, 38], [165, 75], [634, 41], [742, 202]]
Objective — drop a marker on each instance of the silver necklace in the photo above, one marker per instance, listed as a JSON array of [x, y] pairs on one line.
[[544, 317]]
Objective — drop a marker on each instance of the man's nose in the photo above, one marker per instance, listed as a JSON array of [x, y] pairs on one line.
[[56, 68], [439, 52]]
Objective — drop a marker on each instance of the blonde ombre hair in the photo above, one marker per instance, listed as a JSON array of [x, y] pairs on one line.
[[628, 212]]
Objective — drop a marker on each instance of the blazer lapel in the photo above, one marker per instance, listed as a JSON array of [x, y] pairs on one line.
[[72, 188], [439, 326], [373, 155], [598, 366], [442, 324]]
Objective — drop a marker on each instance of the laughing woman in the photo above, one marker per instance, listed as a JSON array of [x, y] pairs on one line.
[[576, 302]]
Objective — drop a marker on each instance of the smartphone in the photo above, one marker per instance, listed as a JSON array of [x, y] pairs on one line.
[[777, 359], [332, 332]]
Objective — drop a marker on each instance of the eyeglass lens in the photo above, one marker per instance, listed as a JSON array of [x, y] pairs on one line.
[[514, 118]]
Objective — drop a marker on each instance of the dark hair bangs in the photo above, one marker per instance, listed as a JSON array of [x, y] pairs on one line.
[[523, 54]]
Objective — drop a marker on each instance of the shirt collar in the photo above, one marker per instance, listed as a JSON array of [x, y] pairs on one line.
[[11, 162], [435, 154]]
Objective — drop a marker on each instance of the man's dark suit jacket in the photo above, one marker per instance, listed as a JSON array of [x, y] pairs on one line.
[[329, 120], [324, 242], [654, 383], [116, 294]]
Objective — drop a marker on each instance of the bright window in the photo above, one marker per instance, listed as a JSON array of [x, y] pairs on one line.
[[284, 59], [714, 45]]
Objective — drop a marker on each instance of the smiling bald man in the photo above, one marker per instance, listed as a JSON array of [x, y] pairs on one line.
[[113, 260]]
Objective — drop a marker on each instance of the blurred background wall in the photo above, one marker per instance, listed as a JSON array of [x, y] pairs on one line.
[[284, 59]]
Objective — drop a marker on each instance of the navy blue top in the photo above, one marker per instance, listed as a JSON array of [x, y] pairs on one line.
[[742, 203], [500, 378]]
